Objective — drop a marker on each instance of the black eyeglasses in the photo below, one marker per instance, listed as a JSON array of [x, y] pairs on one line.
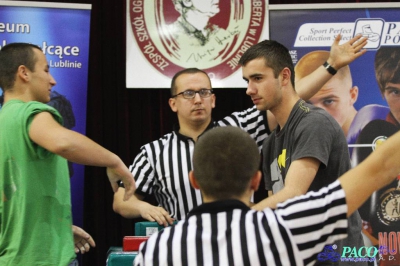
[[190, 94]]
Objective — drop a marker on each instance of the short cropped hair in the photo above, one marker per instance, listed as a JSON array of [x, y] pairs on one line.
[[276, 56], [192, 70], [387, 66], [224, 161], [12, 56]]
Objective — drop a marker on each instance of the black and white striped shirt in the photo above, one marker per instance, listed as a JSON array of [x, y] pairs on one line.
[[229, 233], [162, 166]]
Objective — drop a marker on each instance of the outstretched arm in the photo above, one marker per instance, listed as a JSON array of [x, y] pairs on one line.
[[376, 171], [75, 147], [339, 56], [135, 207]]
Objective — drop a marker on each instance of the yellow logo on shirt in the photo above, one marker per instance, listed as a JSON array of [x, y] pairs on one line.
[[282, 159]]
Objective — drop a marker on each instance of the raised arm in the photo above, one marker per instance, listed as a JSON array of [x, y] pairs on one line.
[[75, 147], [135, 207], [340, 56], [379, 169]]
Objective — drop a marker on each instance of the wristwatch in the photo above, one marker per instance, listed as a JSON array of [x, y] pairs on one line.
[[329, 68]]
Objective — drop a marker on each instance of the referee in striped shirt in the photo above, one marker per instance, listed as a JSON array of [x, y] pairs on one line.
[[225, 231], [162, 166]]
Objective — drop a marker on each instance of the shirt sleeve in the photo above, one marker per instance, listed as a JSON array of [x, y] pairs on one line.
[[313, 138], [31, 109], [315, 219], [143, 173], [250, 120]]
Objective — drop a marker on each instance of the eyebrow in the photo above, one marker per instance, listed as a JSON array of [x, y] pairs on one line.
[[256, 75], [392, 88], [330, 96], [253, 76]]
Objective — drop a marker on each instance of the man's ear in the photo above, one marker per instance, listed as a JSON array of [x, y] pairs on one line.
[[286, 74], [353, 94], [23, 72], [255, 181], [193, 180], [213, 100], [172, 104]]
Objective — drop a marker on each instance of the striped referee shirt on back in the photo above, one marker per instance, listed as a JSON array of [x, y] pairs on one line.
[[162, 166], [229, 233]]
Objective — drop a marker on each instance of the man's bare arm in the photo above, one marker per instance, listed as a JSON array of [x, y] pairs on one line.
[[135, 207], [379, 169], [339, 56], [75, 147], [298, 179]]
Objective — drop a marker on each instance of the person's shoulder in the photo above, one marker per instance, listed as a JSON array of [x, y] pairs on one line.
[[321, 118], [32, 106], [42, 107], [161, 141], [316, 112]]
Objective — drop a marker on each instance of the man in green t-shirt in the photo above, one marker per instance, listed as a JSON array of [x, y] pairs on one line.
[[35, 210]]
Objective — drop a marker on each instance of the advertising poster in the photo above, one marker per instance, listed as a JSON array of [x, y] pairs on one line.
[[62, 31], [166, 36], [371, 85]]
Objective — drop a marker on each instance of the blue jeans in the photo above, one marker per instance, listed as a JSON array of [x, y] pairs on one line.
[[74, 263]]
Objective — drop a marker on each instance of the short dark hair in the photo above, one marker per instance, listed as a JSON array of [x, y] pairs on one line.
[[12, 56], [191, 70], [387, 66], [224, 161], [276, 56]]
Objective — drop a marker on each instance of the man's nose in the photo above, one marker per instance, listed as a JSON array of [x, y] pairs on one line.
[[197, 97], [250, 89], [52, 81]]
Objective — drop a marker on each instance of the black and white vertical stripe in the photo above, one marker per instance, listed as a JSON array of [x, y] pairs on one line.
[[292, 235], [162, 166], [252, 121]]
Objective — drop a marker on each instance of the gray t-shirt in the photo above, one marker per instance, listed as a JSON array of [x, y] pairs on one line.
[[310, 132]]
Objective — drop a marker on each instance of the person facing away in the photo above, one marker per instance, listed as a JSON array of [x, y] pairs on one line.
[[307, 150], [223, 230], [162, 166], [35, 211]]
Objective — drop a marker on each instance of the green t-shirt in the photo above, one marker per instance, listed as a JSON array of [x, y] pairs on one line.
[[35, 210]]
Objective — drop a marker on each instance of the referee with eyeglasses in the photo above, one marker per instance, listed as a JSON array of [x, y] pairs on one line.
[[225, 231], [161, 168]]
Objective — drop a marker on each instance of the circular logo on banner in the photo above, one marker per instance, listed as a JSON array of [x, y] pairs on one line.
[[389, 208], [208, 34]]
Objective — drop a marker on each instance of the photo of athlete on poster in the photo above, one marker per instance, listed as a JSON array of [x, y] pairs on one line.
[[364, 98]]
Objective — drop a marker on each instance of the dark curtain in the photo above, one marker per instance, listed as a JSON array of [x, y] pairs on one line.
[[122, 120]]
